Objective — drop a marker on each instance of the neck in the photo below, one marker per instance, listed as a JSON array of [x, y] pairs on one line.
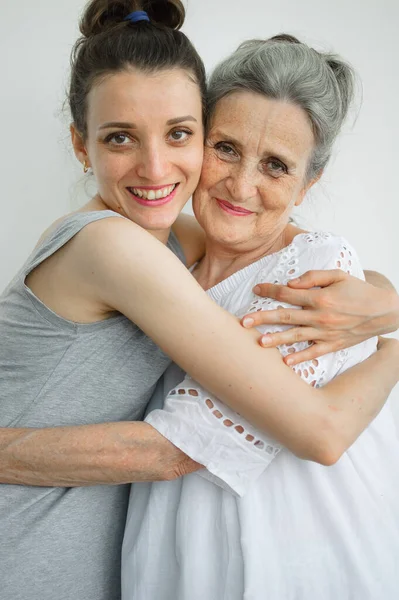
[[221, 261]]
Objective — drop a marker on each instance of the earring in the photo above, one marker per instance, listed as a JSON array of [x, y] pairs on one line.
[[85, 167]]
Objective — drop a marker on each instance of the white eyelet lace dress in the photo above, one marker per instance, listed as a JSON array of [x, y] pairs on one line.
[[259, 523]]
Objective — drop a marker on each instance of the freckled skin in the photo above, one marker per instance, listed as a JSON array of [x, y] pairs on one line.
[[256, 157], [264, 129]]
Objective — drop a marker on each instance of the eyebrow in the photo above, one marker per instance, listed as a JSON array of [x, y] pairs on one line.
[[181, 119], [126, 125], [118, 124]]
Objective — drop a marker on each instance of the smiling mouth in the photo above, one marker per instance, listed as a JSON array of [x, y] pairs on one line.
[[233, 210], [153, 193]]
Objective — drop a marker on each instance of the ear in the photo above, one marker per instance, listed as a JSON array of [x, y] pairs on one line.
[[79, 146], [307, 187]]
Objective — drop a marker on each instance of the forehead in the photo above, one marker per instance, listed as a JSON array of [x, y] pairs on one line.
[[262, 124], [142, 97]]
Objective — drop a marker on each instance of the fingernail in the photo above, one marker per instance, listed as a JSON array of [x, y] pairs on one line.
[[256, 289], [248, 322], [265, 340], [289, 361], [296, 280]]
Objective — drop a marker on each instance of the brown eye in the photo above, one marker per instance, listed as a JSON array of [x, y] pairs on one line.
[[119, 139], [225, 149], [180, 135], [275, 167]]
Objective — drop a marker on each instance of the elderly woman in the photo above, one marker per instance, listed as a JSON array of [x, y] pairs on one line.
[[292, 529]]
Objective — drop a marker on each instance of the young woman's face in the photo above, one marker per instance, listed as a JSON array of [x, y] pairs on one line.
[[145, 144], [254, 172]]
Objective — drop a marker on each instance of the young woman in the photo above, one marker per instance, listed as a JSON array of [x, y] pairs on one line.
[[89, 323]]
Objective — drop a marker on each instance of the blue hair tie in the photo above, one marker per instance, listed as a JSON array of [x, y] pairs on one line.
[[137, 15]]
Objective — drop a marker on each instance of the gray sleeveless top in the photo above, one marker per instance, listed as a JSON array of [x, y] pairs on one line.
[[65, 543]]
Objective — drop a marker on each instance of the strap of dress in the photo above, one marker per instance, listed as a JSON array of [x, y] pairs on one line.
[[62, 234]]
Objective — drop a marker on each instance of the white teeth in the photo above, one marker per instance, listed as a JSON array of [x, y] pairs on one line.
[[153, 194]]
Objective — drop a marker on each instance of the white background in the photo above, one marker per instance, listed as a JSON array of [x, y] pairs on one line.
[[358, 197]]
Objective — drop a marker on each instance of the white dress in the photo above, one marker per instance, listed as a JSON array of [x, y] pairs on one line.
[[259, 523]]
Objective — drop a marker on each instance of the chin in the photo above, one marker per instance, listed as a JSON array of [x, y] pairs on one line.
[[155, 222], [227, 235]]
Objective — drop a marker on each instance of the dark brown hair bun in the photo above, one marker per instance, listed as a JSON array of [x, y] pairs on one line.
[[170, 13], [101, 15]]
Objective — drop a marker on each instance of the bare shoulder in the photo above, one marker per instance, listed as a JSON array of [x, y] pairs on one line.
[[191, 238], [107, 241], [125, 266], [100, 246], [118, 248], [97, 262]]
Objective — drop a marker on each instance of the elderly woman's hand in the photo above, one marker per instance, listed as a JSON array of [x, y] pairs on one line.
[[342, 312]]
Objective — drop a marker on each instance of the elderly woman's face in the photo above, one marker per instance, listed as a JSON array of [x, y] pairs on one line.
[[254, 173]]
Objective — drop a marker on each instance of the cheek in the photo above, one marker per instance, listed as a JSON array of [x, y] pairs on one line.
[[192, 161], [111, 168], [197, 202], [279, 195], [213, 171]]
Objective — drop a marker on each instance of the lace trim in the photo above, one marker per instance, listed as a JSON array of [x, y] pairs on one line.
[[263, 265], [344, 260], [228, 418]]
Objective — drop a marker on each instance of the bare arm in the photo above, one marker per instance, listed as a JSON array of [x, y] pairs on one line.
[[379, 280], [137, 276], [233, 451], [358, 395], [342, 313], [110, 453]]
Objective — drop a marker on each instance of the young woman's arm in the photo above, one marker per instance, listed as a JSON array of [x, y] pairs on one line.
[[135, 274], [379, 280], [343, 312], [233, 452]]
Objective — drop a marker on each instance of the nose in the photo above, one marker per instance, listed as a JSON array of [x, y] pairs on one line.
[[241, 182], [154, 163]]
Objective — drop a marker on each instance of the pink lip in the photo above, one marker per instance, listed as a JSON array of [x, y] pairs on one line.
[[233, 210], [153, 203]]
